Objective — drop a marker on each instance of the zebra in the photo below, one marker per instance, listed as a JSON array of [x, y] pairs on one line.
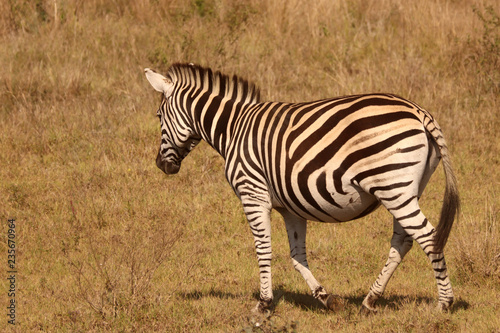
[[331, 160]]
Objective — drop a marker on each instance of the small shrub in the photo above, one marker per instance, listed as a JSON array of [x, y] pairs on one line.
[[113, 272]]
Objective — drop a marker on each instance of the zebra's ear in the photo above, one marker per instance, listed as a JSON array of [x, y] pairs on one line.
[[159, 82]]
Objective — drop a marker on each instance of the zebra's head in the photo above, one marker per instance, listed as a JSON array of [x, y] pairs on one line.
[[177, 136]]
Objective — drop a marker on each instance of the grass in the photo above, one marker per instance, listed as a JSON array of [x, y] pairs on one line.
[[107, 242]]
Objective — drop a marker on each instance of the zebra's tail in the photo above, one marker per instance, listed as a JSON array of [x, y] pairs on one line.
[[451, 200]]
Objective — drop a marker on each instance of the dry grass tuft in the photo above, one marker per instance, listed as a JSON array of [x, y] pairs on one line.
[[479, 261]]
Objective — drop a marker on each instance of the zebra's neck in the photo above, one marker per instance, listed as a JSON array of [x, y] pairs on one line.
[[215, 102], [216, 119]]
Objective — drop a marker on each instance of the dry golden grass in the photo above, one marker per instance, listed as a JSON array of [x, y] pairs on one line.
[[107, 242]]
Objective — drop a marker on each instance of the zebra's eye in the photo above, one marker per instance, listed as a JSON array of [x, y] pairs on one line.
[[158, 114]]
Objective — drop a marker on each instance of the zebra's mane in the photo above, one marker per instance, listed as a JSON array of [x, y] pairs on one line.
[[235, 88]]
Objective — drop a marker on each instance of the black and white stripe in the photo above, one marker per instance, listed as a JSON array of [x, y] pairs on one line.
[[332, 160]]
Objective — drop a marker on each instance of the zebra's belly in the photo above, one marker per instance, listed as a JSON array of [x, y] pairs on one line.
[[342, 208], [352, 206]]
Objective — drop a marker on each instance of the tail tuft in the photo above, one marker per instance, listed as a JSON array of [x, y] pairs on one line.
[[451, 204]]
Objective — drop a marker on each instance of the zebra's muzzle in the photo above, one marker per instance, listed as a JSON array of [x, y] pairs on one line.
[[169, 168]]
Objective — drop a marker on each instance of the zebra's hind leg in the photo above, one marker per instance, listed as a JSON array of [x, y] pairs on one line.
[[401, 243], [415, 224], [296, 229]]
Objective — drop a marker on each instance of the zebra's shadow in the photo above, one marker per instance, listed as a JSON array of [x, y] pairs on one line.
[[307, 302], [302, 300], [397, 302], [392, 303]]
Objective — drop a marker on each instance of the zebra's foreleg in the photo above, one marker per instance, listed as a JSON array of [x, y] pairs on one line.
[[401, 243], [260, 224], [296, 228]]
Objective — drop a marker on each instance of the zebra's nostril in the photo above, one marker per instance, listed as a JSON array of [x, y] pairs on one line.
[[171, 168]]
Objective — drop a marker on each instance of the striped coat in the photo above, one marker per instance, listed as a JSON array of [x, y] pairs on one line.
[[332, 160]]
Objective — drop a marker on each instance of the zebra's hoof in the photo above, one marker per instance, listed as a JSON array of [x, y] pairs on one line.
[[368, 305], [259, 315], [263, 308], [444, 306], [366, 311], [334, 303]]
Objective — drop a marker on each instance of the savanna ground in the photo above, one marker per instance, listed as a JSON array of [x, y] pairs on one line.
[[107, 242]]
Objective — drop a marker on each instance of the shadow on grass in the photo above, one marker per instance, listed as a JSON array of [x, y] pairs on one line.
[[304, 301], [307, 302], [460, 304], [395, 302]]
